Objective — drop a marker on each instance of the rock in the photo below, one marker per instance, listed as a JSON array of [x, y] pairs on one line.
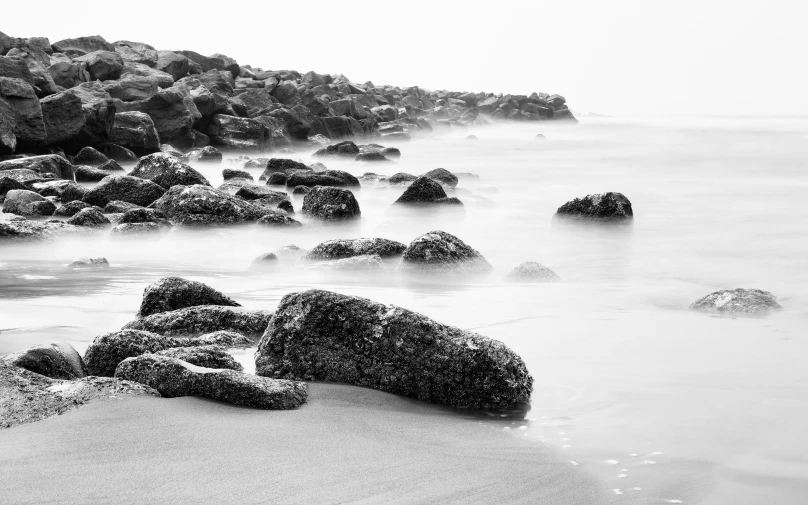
[[172, 110], [278, 218], [335, 178], [206, 356], [603, 208], [8, 140], [346, 149], [73, 192], [116, 152], [229, 173], [99, 114], [438, 250], [57, 360], [63, 117], [7, 184], [136, 229], [102, 65], [290, 251], [167, 171], [301, 190], [89, 174], [237, 133], [286, 206], [44, 165], [206, 155], [125, 188], [531, 271], [90, 217], [277, 179], [222, 338], [174, 378], [82, 45], [324, 336], [214, 62], [120, 207], [141, 215], [23, 112], [25, 230], [136, 131], [282, 165], [540, 137], [443, 176], [136, 52], [132, 88], [71, 208], [176, 65], [253, 192], [164, 79], [82, 263], [172, 293], [195, 321], [172, 151], [371, 156], [330, 203], [737, 302], [286, 93], [264, 262], [363, 262], [423, 191], [391, 152], [203, 205], [90, 156], [347, 248], [27, 203], [401, 178]]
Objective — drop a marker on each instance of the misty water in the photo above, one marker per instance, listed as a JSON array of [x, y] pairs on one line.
[[663, 404]]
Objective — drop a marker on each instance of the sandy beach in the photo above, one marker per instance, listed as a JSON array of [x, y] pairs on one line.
[[347, 445]]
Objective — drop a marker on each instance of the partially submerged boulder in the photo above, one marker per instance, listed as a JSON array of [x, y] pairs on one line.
[[443, 176], [438, 250], [531, 271], [347, 248], [203, 205], [43, 164], [425, 191], [90, 217], [125, 188], [278, 218], [174, 378], [57, 360], [27, 203], [83, 263], [600, 208], [172, 293], [324, 336], [738, 301], [330, 203], [167, 171], [203, 319]]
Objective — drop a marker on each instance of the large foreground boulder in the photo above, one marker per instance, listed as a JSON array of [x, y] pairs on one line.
[[58, 360], [172, 293], [348, 248], [604, 207], [737, 301], [438, 250], [124, 188], [325, 336], [330, 203], [173, 378], [203, 205], [167, 171], [203, 319]]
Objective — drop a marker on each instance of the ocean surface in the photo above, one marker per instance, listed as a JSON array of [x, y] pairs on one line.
[[663, 404]]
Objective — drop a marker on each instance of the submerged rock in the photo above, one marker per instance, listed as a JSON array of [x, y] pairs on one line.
[[278, 218], [89, 263], [347, 248], [90, 217], [425, 191], [346, 149], [203, 205], [330, 203], [206, 356], [172, 293], [174, 378], [71, 208], [58, 360], [324, 336], [438, 250], [443, 176], [531, 271], [605, 207], [363, 262], [124, 188], [738, 301], [266, 261], [203, 319]]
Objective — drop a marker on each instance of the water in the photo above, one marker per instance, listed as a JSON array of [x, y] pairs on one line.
[[663, 404]]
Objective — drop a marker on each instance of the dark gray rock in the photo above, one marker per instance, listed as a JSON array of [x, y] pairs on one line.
[[195, 321], [278, 218], [373, 156], [443, 176], [176, 65], [401, 178], [125, 188], [136, 131], [206, 356], [99, 114], [531, 271], [330, 203], [102, 65], [237, 133], [282, 165], [172, 293], [90, 217], [116, 152], [347, 248], [43, 165], [23, 112], [438, 250], [301, 190], [324, 336], [345, 149], [89, 174], [311, 179], [174, 378], [119, 207], [82, 45], [254, 192], [57, 360], [206, 155], [82, 263], [73, 192], [277, 179], [229, 173], [71, 208], [600, 208], [425, 191], [167, 171], [132, 88], [172, 110], [7, 184], [737, 302], [203, 205], [27, 203], [63, 117], [136, 52]]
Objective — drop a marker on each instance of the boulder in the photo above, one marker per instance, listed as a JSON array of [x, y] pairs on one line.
[[57, 360], [278, 218], [136, 131], [125, 188], [120, 207], [131, 87], [443, 176], [371, 156], [531, 271], [102, 65], [90, 156], [136, 229], [229, 173], [355, 263], [217, 62], [206, 154], [89, 174], [277, 179], [327, 178], [424, 191], [116, 152], [206, 356], [286, 93], [90, 217], [8, 183], [83, 263], [345, 149], [167, 171], [82, 45], [174, 378], [25, 230], [282, 165], [598, 208], [264, 262], [73, 192], [172, 293], [737, 302], [329, 203], [63, 117], [172, 110], [324, 336], [203, 205], [438, 250], [99, 114], [136, 52], [164, 80], [347, 248], [238, 133], [175, 65], [401, 178], [8, 140], [22, 106], [254, 192], [44, 165], [71, 208], [27, 203], [204, 319]]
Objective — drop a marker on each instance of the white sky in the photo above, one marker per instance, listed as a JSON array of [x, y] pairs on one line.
[[617, 57]]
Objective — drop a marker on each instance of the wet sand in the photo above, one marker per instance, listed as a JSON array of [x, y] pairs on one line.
[[347, 445]]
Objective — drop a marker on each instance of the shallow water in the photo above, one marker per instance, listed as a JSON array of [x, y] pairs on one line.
[[663, 404]]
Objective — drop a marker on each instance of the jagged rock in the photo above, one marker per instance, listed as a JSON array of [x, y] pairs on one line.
[[63, 117], [324, 336], [44, 164], [238, 133], [195, 321], [202, 205], [737, 301], [167, 171], [310, 178], [402, 177], [206, 356], [425, 190], [172, 111], [164, 79], [71, 208], [277, 179], [347, 248], [176, 65], [125, 188], [82, 45], [22, 106], [347, 149], [443, 176], [57, 360], [438, 250], [120, 207], [173, 378], [604, 208], [136, 52], [102, 65], [286, 93], [278, 218], [172, 293], [73, 192], [99, 114], [214, 62], [27, 203], [371, 156], [90, 156], [330, 203], [206, 155], [116, 152], [132, 87], [531, 271], [90, 217], [229, 173], [83, 263], [141, 215]]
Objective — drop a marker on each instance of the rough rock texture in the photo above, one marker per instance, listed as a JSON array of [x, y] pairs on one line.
[[167, 171], [604, 207], [531, 271], [25, 231], [29, 397], [335, 178], [71, 208], [90, 156], [238, 133], [90, 217], [442, 175], [440, 250], [194, 321], [355, 263], [325, 336], [347, 149], [278, 218], [330, 203], [136, 131], [63, 117], [57, 360], [27, 203], [347, 248], [89, 263], [173, 378], [425, 191], [124, 188], [172, 293], [44, 164], [207, 154], [229, 173], [203, 205], [738, 301], [207, 356], [402, 177]]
